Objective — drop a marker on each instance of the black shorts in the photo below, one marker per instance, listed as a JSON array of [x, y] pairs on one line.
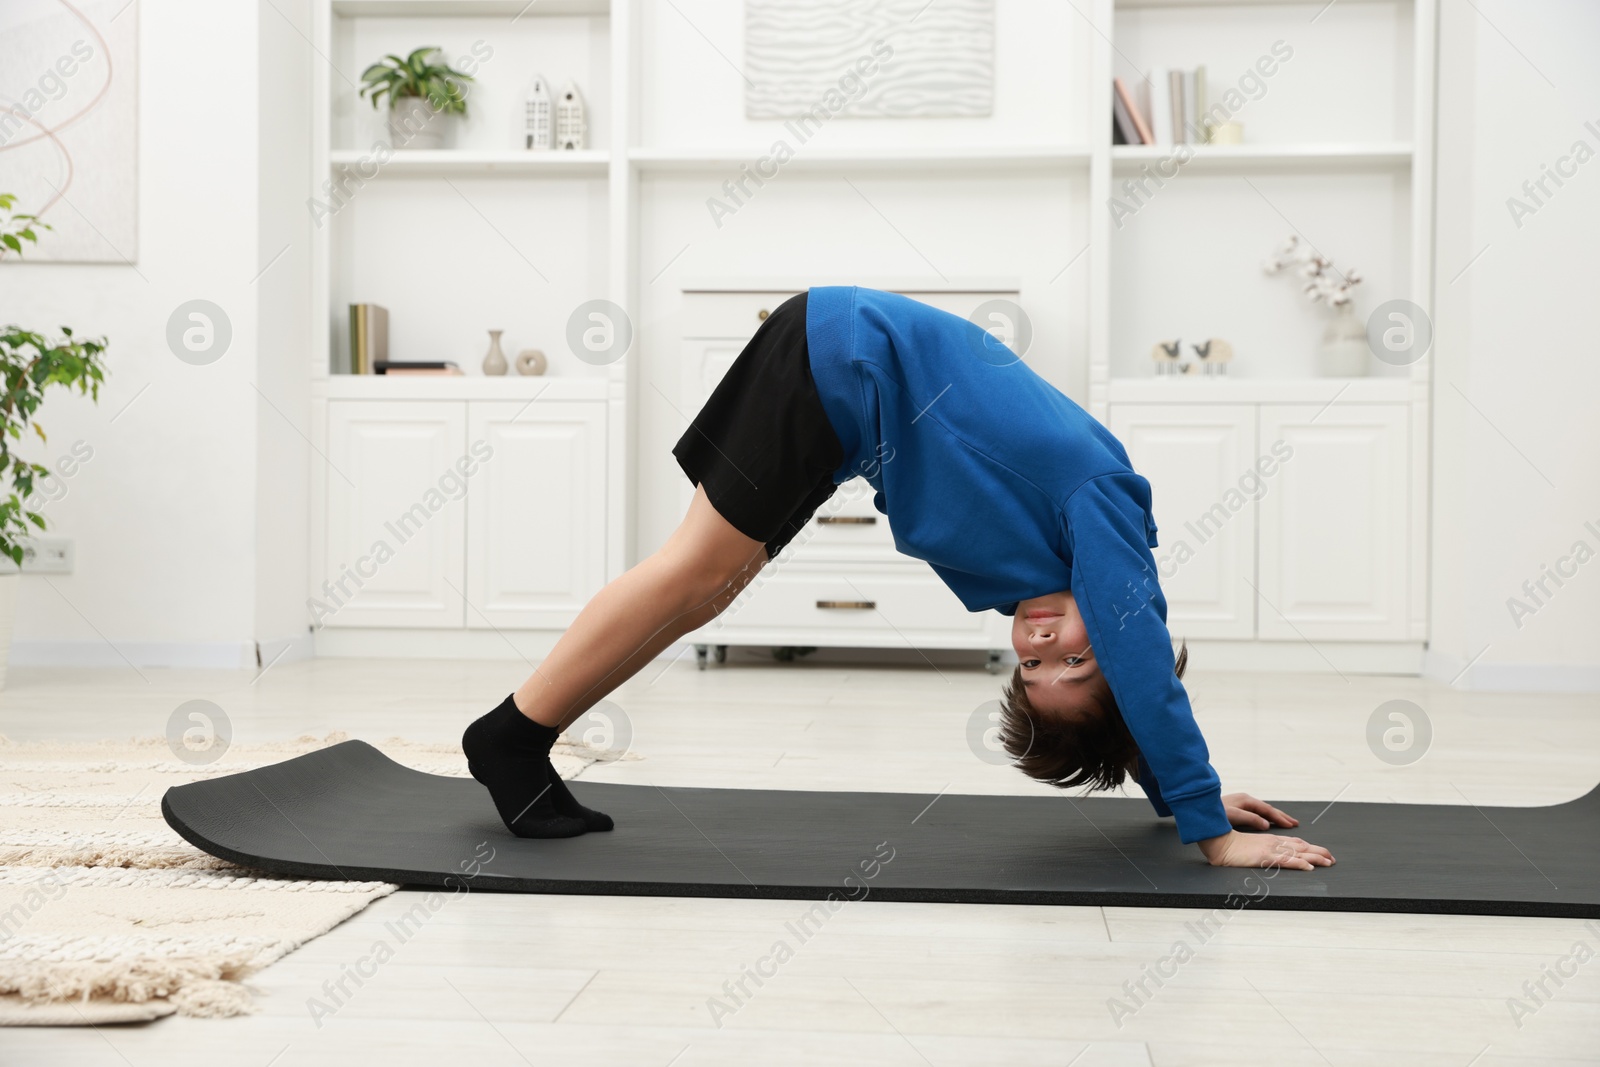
[[762, 445]]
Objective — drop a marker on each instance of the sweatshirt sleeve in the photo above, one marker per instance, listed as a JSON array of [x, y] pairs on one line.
[[1152, 787], [1115, 586]]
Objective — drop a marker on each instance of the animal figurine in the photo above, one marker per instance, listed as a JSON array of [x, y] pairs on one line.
[[1214, 355], [1166, 355]]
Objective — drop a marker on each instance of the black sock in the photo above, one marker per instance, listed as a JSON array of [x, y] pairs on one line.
[[567, 804], [510, 754]]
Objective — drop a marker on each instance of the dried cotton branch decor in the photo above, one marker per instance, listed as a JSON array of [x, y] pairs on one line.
[[1323, 281]]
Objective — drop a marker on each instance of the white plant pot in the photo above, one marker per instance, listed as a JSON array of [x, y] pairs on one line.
[[8, 617], [413, 123]]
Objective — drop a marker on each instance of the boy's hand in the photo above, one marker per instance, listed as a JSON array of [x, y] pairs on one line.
[[1264, 850], [1248, 813]]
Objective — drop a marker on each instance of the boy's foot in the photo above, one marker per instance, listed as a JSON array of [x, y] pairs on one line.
[[567, 804], [509, 754]]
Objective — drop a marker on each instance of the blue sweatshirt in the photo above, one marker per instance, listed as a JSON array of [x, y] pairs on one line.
[[1009, 490]]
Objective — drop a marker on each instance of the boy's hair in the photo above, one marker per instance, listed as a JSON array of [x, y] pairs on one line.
[[1096, 750]]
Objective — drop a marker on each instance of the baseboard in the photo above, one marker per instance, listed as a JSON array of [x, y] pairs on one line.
[[1323, 657], [532, 645], [285, 650], [221, 655], [364, 642], [1513, 677]]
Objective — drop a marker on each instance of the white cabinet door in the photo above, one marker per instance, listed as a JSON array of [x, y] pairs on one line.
[[1200, 460], [536, 511], [396, 521], [1334, 524]]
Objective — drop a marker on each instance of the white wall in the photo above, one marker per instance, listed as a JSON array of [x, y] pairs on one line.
[[283, 302], [1516, 448], [189, 519], [820, 227], [164, 515]]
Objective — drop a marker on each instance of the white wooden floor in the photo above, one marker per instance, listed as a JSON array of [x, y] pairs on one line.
[[493, 980]]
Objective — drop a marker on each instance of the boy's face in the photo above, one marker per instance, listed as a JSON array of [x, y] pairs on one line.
[[1058, 666]]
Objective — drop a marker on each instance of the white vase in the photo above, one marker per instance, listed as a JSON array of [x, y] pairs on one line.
[[8, 618], [413, 123], [495, 362], [1343, 352]]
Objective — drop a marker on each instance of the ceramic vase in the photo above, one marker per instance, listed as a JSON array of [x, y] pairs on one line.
[[1343, 352], [531, 361], [495, 362]]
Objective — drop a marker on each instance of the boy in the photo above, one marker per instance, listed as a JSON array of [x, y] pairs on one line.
[[1018, 499]]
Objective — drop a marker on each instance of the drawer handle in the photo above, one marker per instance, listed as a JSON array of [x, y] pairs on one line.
[[762, 314], [847, 520], [847, 605]]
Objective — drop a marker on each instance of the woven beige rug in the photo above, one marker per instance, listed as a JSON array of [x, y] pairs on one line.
[[107, 915]]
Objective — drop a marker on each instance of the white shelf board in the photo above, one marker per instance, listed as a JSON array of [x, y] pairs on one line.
[[744, 283], [460, 387], [1309, 158], [1226, 390], [512, 9], [977, 157], [1317, 4], [571, 164]]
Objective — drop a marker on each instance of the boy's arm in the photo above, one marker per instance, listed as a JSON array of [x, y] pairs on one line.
[[1151, 785], [1114, 583]]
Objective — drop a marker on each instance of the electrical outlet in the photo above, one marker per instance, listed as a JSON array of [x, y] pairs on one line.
[[47, 555]]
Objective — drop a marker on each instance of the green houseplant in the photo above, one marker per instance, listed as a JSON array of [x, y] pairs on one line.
[[420, 90], [30, 363]]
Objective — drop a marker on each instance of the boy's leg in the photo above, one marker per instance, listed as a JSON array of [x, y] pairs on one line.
[[694, 576]]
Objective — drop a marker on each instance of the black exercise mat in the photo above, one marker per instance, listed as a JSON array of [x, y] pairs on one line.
[[349, 812]]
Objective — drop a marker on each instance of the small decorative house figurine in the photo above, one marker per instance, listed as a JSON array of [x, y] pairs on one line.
[[572, 125], [537, 124], [1213, 355]]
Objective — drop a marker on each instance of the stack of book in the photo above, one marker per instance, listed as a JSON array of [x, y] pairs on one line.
[[423, 369], [369, 339], [1167, 108], [369, 348]]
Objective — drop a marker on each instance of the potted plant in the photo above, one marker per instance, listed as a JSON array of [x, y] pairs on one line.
[[29, 363], [421, 90], [1343, 352]]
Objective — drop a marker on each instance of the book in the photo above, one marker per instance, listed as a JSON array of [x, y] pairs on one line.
[[369, 338], [1175, 100], [431, 368], [1123, 130], [1191, 133], [1122, 95], [1201, 134], [1159, 105]]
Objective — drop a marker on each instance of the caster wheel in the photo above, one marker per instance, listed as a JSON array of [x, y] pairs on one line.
[[722, 653], [700, 656]]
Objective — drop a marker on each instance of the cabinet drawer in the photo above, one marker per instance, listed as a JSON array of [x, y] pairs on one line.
[[900, 606], [846, 526], [738, 315]]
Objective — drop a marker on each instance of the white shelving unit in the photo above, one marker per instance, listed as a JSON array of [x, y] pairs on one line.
[[1193, 430], [468, 8], [1305, 158], [974, 158], [585, 164], [563, 226], [609, 235]]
